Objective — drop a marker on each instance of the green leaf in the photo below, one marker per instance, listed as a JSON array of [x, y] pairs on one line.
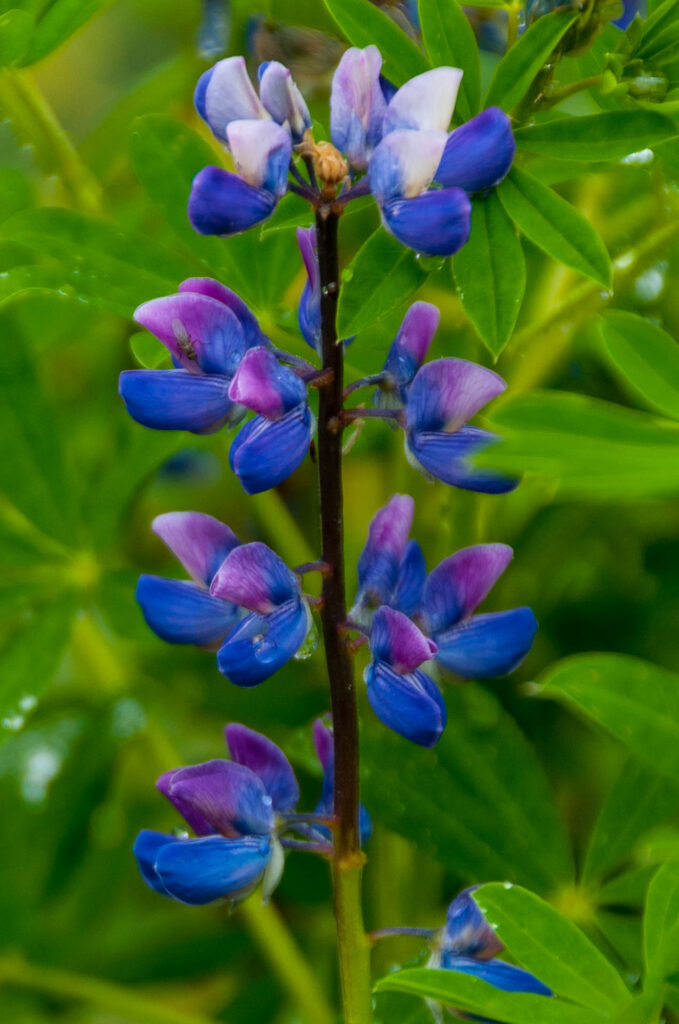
[[661, 922], [553, 948], [611, 135], [634, 700], [490, 274], [16, 29], [30, 278], [627, 889], [555, 226], [29, 660], [147, 350], [505, 822], [662, 18], [364, 24], [382, 275], [519, 66], [588, 446], [292, 212], [646, 357], [62, 19], [449, 40], [472, 995]]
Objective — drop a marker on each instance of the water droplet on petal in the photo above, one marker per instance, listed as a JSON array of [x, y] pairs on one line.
[[180, 832]]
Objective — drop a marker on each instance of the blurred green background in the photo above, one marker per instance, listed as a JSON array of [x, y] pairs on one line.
[[94, 707]]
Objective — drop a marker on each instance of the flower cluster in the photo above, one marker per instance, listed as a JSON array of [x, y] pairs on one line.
[[243, 813]]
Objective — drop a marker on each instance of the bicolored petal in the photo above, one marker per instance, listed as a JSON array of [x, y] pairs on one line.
[[200, 542], [458, 585], [178, 400], [479, 153], [448, 392], [357, 104], [200, 871], [309, 308], [466, 931], [282, 98], [411, 344], [220, 796], [216, 290], [497, 973], [324, 743], [447, 457], [264, 385], [184, 613], [261, 151], [412, 574], [266, 453], [200, 332], [225, 93], [221, 203], [436, 223], [404, 164], [146, 848], [487, 645], [261, 644], [397, 641], [380, 559], [424, 103], [254, 577], [411, 704], [266, 760]]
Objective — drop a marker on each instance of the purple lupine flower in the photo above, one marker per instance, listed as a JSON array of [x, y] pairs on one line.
[[282, 99], [406, 354], [478, 154], [402, 696], [207, 329], [276, 628], [273, 444], [309, 308], [380, 560], [357, 105], [325, 750]]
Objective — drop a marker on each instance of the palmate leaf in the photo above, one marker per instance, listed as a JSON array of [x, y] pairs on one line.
[[610, 135], [661, 922], [449, 39], [645, 356], [521, 63], [60, 21], [16, 29], [364, 24]]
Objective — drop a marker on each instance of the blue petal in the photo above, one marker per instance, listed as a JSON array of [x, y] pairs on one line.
[[184, 613], [199, 95], [445, 456], [466, 931], [221, 203], [264, 454], [199, 871], [487, 645], [146, 848], [411, 705], [436, 223], [178, 400], [411, 577], [479, 153], [260, 644], [497, 973]]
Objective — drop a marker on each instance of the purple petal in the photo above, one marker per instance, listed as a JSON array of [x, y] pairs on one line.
[[216, 290], [220, 796], [498, 974], [411, 705], [184, 613], [309, 308], [447, 457], [479, 153], [200, 542], [397, 641], [200, 871], [411, 344], [466, 931], [261, 151], [261, 644], [379, 562], [265, 759], [487, 646], [254, 577], [225, 93], [177, 400], [459, 584], [283, 100], [425, 103], [201, 333], [266, 386], [266, 453], [221, 203], [436, 223], [324, 743], [357, 104], [412, 574], [448, 392], [404, 164]]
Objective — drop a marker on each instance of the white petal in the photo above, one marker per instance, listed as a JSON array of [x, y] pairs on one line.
[[425, 102]]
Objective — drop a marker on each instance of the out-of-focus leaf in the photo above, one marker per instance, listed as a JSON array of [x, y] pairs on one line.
[[16, 191], [382, 275], [291, 212], [30, 657], [30, 278], [16, 29], [505, 823], [628, 889], [634, 700], [646, 356], [589, 447], [452, 988], [364, 24], [61, 19], [490, 274], [396, 1008], [520, 65], [661, 922], [449, 39], [610, 135], [555, 226], [147, 350], [553, 948], [662, 18]]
